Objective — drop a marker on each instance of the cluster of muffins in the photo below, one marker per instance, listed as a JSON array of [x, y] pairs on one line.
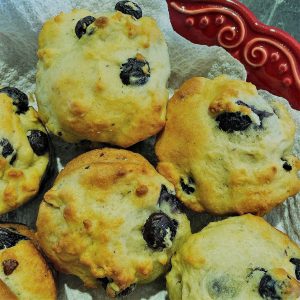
[[111, 218]]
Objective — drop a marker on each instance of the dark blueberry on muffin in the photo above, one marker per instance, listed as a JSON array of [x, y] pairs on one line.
[[188, 187], [38, 141], [136, 71], [82, 25], [159, 231], [287, 166], [9, 238], [233, 121], [7, 150], [172, 200], [296, 262], [267, 288], [20, 100], [260, 113], [129, 8]]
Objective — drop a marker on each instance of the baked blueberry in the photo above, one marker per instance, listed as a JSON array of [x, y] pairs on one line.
[[188, 188], [296, 262], [7, 148], [13, 159], [159, 231], [82, 24], [20, 100], [104, 281], [129, 8], [38, 141], [287, 166], [9, 238], [136, 71], [267, 288], [260, 113], [171, 199], [233, 121]]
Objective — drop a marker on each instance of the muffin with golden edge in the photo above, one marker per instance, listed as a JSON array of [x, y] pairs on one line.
[[238, 258], [111, 219], [24, 273], [226, 149], [24, 150], [102, 77]]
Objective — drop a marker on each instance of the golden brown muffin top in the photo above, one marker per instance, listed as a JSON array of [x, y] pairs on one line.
[[226, 149], [111, 218]]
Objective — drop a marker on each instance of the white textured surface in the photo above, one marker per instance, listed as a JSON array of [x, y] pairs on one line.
[[20, 22]]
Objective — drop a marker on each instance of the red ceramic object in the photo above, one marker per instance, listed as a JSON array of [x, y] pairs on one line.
[[270, 55]]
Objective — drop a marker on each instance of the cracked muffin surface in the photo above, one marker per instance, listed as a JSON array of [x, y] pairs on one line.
[[238, 258], [102, 77], [112, 220], [24, 150], [226, 149], [24, 273]]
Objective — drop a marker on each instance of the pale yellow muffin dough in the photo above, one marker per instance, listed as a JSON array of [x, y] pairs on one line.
[[24, 274], [94, 222], [22, 171], [226, 149], [238, 258], [79, 90]]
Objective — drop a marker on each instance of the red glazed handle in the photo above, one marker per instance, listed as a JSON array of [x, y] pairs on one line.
[[270, 55]]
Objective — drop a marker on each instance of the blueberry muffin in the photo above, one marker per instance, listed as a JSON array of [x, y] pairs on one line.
[[226, 149], [24, 150], [111, 219], [102, 77], [238, 258], [24, 273]]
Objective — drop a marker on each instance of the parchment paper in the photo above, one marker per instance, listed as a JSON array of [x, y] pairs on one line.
[[20, 22]]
